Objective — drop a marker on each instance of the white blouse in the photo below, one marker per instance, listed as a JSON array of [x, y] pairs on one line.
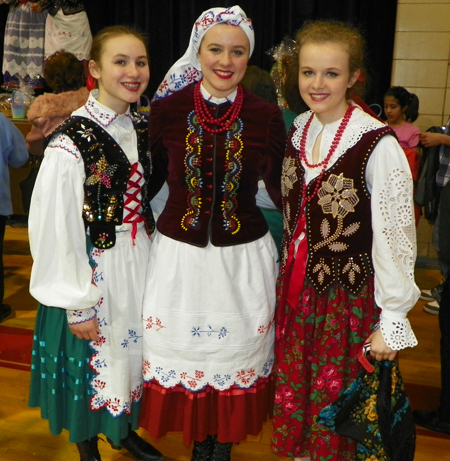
[[61, 275], [389, 181]]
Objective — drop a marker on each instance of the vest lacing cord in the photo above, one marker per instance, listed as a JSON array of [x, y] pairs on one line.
[[132, 204]]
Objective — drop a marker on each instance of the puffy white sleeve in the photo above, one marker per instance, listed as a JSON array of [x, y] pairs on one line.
[[394, 241], [61, 275]]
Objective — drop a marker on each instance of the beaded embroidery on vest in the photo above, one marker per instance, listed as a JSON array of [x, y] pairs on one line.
[[338, 218], [339, 221], [107, 171], [230, 184]]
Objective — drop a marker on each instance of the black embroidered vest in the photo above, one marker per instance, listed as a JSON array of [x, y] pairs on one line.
[[107, 171]]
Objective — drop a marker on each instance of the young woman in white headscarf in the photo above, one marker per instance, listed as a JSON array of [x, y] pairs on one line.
[[210, 293]]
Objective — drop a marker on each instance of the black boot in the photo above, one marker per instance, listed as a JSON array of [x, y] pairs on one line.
[[138, 447], [88, 450], [202, 451], [222, 451]]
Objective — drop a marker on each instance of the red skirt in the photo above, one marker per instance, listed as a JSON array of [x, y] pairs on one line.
[[315, 358], [231, 414]]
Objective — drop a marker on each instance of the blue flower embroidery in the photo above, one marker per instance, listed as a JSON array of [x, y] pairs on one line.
[[221, 380], [102, 322], [98, 401], [133, 336], [165, 377], [100, 364], [197, 331], [267, 367], [97, 277]]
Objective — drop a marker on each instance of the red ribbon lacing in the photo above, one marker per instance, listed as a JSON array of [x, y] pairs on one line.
[[132, 204]]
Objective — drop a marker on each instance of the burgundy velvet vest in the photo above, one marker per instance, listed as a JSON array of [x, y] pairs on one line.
[[339, 219], [213, 178]]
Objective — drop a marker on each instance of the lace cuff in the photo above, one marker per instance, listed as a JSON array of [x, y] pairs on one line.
[[397, 333], [80, 315]]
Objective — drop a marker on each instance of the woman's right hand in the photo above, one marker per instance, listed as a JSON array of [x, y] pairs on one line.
[[88, 330]]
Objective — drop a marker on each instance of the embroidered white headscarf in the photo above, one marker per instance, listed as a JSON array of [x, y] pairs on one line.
[[187, 69]]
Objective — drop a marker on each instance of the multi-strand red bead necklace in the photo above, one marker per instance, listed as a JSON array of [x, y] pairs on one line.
[[206, 120], [326, 160]]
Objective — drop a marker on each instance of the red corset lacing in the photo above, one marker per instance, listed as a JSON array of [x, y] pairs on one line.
[[132, 204]]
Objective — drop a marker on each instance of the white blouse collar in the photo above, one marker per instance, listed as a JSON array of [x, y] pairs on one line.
[[217, 101], [360, 123], [101, 114]]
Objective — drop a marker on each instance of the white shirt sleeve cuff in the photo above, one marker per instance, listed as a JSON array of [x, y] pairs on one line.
[[80, 315], [397, 333]]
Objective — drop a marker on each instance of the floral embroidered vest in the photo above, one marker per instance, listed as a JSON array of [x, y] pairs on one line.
[[107, 171], [339, 219]]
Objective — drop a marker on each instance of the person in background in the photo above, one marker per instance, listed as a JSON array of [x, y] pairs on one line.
[[89, 231], [210, 296], [63, 73], [428, 139], [439, 420], [401, 109], [349, 247], [13, 152]]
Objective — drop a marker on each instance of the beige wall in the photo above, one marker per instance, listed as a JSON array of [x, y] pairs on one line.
[[421, 64]]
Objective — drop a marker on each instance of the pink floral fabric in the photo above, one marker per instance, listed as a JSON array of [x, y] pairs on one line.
[[315, 358]]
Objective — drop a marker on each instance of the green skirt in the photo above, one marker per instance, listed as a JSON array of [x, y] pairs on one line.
[[60, 382]]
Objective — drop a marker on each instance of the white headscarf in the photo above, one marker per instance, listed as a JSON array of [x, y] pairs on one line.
[[187, 69]]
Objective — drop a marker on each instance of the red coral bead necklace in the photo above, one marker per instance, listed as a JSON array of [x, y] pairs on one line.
[[326, 160], [205, 118]]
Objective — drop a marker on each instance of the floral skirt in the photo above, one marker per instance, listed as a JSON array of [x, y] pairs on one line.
[[315, 359]]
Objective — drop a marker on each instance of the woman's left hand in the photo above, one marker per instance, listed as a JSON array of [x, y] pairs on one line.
[[379, 350]]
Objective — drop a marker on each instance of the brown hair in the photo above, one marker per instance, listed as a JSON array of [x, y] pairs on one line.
[[100, 39], [340, 33], [63, 72]]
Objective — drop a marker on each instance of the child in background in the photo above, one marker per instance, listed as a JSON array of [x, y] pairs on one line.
[[401, 109], [347, 271]]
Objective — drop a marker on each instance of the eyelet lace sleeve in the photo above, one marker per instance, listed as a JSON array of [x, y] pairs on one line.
[[397, 333], [394, 241]]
